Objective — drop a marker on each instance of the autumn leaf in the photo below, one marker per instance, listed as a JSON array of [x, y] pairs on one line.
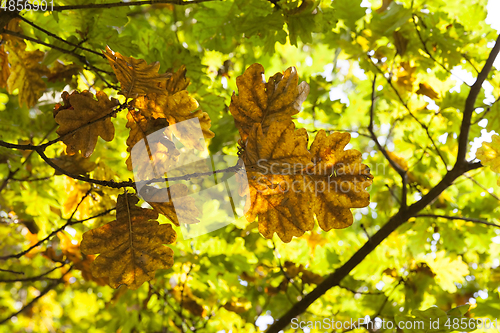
[[281, 201], [71, 251], [340, 180], [82, 110], [74, 164], [425, 89], [237, 305], [161, 201], [160, 155], [184, 296], [4, 64], [489, 154], [263, 103], [135, 75], [405, 76], [25, 72], [131, 247], [76, 191], [61, 72], [175, 109]]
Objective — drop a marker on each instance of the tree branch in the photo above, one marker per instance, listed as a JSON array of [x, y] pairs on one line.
[[460, 167], [471, 100], [34, 300], [397, 220], [393, 164], [126, 4], [53, 233], [33, 278], [48, 33], [468, 219]]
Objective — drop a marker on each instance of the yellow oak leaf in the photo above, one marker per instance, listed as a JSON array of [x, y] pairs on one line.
[[175, 109], [263, 103], [281, 148], [131, 247], [489, 154], [447, 270], [76, 192], [82, 110], [135, 75], [71, 250], [340, 180], [25, 72], [177, 81], [160, 200], [282, 202]]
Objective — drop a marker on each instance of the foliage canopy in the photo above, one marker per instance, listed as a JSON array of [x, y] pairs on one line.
[[373, 97]]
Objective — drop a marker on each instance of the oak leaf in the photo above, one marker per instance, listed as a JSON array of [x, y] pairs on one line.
[[131, 247], [340, 180], [263, 103], [161, 201], [25, 72], [160, 155], [82, 110], [281, 201], [4, 64], [71, 251], [74, 164], [135, 75], [489, 154], [64, 73], [175, 109]]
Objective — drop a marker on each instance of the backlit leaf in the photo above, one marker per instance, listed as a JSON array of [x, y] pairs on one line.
[[131, 247], [263, 103], [82, 110]]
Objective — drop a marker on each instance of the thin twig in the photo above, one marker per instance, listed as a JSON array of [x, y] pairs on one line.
[[126, 4], [61, 39], [34, 300], [53, 233], [468, 219]]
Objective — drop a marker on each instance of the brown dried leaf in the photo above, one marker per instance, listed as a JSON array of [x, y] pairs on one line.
[[84, 109], [131, 248], [264, 103], [135, 75]]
